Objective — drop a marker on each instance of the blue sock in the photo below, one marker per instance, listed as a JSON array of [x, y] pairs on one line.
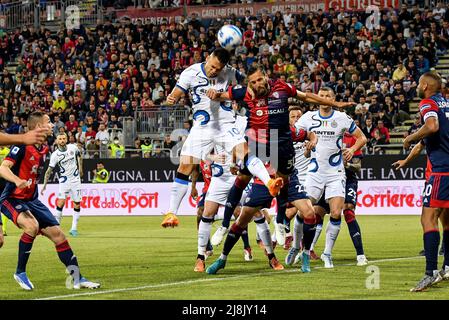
[[354, 230], [431, 243], [25, 245], [309, 228], [282, 200], [232, 238], [234, 196], [245, 239], [445, 245], [66, 255]]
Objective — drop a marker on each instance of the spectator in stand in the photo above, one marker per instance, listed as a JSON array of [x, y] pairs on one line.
[[147, 148], [383, 131], [71, 125], [415, 126]]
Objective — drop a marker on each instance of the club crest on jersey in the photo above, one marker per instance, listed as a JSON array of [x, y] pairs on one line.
[[259, 113], [276, 95], [334, 124], [71, 153], [18, 207]]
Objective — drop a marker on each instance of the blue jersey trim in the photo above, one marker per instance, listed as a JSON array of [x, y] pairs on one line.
[[319, 114], [184, 90], [202, 69], [353, 127], [180, 181]]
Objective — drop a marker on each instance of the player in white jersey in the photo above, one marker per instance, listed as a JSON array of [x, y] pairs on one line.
[[221, 182], [326, 169], [68, 158], [214, 124]]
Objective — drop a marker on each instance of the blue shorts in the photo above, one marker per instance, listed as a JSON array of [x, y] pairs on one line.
[[259, 196], [201, 202], [436, 191], [11, 208], [351, 192]]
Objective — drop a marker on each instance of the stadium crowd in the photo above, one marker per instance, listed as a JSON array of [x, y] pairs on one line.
[[88, 80]]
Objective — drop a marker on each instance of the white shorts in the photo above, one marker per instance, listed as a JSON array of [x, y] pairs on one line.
[[201, 140], [331, 186], [219, 188], [73, 189]]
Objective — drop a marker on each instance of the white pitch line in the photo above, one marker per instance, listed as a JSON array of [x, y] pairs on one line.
[[169, 284]]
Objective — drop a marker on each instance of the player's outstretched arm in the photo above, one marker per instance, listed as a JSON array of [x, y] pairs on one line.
[[36, 136], [7, 174], [194, 175], [46, 178], [174, 96], [315, 99], [417, 149], [430, 127], [217, 96], [359, 143]]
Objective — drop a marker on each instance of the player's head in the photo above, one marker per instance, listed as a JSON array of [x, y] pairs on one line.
[[216, 62], [100, 165], [295, 114], [258, 80], [429, 84], [326, 93], [39, 120], [61, 139]]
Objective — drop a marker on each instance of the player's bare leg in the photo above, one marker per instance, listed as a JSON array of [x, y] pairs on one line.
[[60, 203], [320, 212], [336, 205], [290, 213], [67, 257], [355, 233], [204, 228], [236, 231], [179, 190], [232, 203], [257, 168], [444, 218]]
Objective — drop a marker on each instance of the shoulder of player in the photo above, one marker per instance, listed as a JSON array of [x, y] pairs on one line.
[[427, 103]]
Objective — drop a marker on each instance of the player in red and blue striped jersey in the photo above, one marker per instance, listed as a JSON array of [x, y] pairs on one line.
[[434, 109], [19, 202]]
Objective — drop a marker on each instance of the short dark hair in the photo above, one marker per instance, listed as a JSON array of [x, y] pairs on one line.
[[222, 55], [33, 119], [327, 89], [254, 68]]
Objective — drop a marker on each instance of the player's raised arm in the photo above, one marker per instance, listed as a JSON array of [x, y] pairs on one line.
[[359, 143], [36, 136], [315, 99], [417, 149], [46, 178], [175, 95], [7, 174], [236, 93]]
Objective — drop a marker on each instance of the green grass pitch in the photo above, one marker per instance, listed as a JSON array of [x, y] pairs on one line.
[[134, 258]]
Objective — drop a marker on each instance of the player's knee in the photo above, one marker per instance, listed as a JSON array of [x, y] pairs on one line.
[[349, 206], [308, 213], [185, 169], [77, 205], [336, 213], [349, 215]]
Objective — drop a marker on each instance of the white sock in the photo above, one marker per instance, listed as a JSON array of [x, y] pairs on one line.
[[264, 233], [178, 191], [58, 215], [257, 169], [297, 233], [204, 234], [273, 235], [332, 231], [76, 217], [319, 227]]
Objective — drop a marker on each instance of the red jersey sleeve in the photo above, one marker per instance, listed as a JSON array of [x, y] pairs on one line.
[[291, 89], [15, 154], [428, 108]]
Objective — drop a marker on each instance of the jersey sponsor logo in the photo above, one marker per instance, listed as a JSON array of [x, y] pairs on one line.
[[15, 150], [261, 103]]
